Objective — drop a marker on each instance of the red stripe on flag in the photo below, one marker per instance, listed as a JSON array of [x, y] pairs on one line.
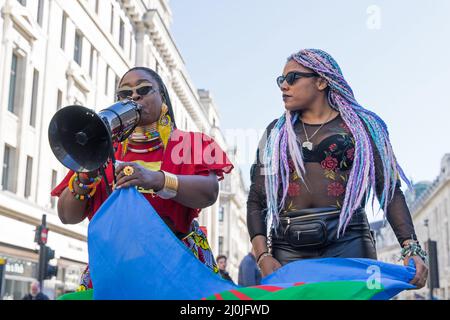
[[218, 296], [298, 284], [269, 288], [240, 295]]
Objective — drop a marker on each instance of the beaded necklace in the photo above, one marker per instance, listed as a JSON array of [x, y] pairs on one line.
[[143, 135]]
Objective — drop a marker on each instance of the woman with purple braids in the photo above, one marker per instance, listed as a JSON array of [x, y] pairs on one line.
[[315, 170]]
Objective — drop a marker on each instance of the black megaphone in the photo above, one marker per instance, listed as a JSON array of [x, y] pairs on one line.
[[82, 140]]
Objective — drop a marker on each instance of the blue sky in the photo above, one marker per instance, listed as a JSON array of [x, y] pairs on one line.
[[394, 54]]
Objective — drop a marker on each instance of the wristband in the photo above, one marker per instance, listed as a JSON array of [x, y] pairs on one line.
[[170, 188]]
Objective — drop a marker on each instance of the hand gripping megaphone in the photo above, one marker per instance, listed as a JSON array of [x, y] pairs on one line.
[[82, 140]]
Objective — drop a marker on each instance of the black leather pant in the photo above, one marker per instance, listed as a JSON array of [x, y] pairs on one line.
[[357, 242]]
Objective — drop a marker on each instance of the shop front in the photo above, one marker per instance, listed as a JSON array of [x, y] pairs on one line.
[[19, 273]]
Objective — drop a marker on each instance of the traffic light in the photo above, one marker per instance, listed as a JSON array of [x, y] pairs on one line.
[[49, 270], [41, 235]]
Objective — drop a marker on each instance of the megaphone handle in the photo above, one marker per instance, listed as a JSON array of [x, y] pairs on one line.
[[113, 160], [113, 168], [108, 188]]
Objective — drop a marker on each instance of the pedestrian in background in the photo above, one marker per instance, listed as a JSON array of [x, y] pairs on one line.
[[249, 274], [35, 292], [222, 264]]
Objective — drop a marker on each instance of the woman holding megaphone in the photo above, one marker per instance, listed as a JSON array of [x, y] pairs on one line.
[[176, 171]]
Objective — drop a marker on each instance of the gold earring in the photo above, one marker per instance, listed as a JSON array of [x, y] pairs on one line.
[[164, 117], [164, 125]]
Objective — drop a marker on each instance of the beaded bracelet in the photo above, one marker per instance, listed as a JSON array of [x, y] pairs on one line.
[[78, 196], [413, 249], [93, 182]]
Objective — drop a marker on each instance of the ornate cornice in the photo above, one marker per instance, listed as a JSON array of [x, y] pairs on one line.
[[22, 19]]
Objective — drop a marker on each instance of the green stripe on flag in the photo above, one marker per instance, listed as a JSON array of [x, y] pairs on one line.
[[79, 295], [335, 290]]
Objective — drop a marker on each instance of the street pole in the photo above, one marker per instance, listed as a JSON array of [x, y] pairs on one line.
[[430, 283], [2, 276], [42, 242]]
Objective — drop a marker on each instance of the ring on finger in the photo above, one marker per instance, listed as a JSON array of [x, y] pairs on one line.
[[128, 171]]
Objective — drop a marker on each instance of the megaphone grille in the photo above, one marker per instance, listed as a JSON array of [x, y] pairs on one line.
[[79, 138]]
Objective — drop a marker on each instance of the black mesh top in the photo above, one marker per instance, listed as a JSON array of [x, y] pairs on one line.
[[327, 167]]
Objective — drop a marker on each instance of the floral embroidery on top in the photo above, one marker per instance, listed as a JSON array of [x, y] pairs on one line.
[[335, 189], [329, 163], [337, 162], [293, 189], [291, 166], [351, 153], [333, 147], [334, 154]]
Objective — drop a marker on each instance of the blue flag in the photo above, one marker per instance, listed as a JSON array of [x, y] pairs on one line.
[[134, 255]]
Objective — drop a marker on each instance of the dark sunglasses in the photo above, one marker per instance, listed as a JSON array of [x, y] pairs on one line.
[[142, 90], [293, 76]]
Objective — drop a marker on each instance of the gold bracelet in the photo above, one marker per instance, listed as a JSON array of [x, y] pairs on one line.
[[170, 188]]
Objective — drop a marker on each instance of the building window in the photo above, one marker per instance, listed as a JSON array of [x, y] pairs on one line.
[[40, 12], [78, 49], [116, 82], [111, 25], [13, 83], [122, 34], [107, 81], [28, 176], [221, 213], [91, 62], [63, 30], [53, 186], [447, 243], [59, 100], [220, 245], [8, 181], [34, 96], [131, 45]]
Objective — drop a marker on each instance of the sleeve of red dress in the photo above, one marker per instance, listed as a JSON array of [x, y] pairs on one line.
[[213, 158], [62, 185], [207, 157]]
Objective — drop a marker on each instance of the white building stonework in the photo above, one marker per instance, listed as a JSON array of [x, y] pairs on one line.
[[228, 219], [55, 53], [433, 205]]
